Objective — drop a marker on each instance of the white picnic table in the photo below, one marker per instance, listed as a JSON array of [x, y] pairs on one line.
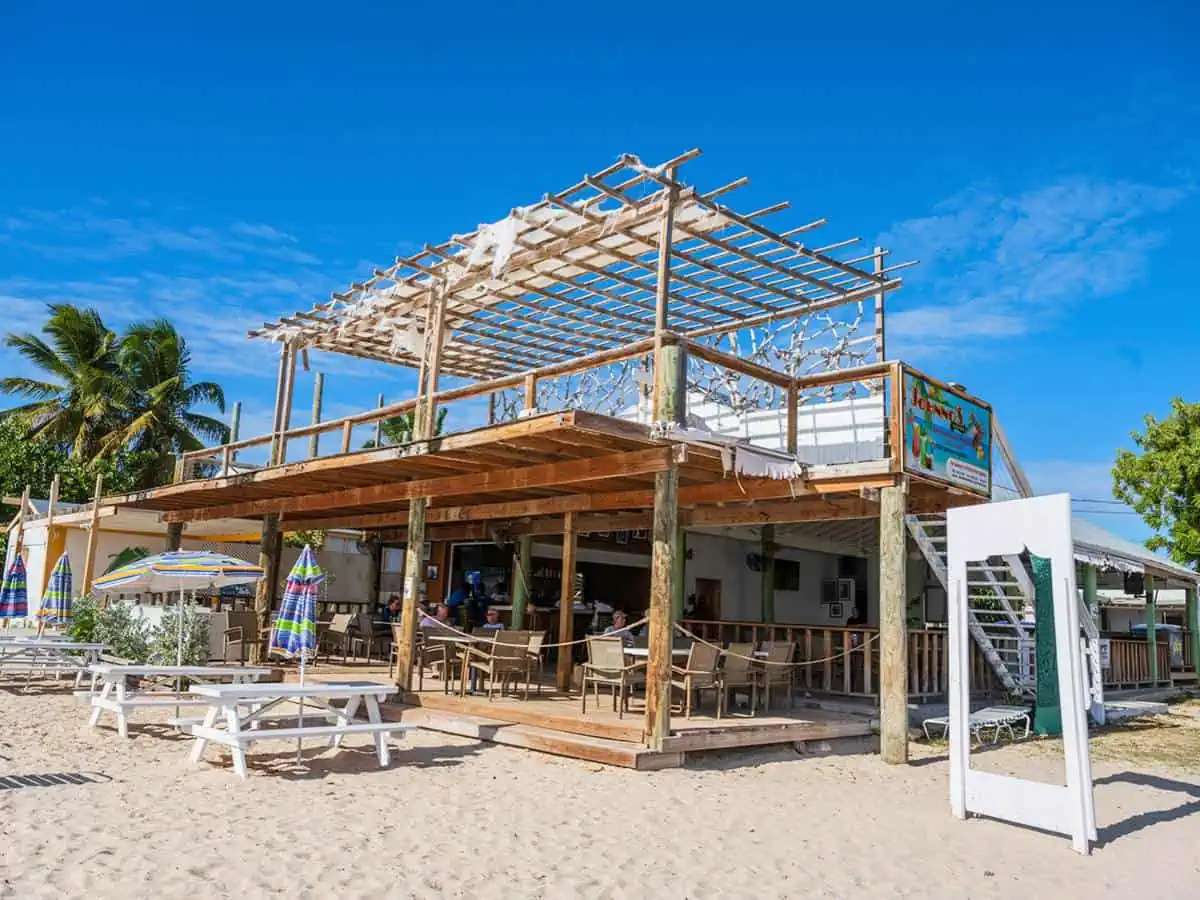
[[115, 696], [28, 654], [224, 702]]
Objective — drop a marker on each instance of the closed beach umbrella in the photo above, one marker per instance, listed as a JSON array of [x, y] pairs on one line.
[[56, 599], [14, 598], [295, 632]]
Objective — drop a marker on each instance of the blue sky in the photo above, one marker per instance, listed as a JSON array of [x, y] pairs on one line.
[[223, 164]]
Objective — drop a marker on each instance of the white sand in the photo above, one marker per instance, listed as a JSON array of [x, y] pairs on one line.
[[457, 818]]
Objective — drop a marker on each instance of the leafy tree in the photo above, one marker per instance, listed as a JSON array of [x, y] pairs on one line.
[[399, 429], [1161, 481], [106, 395], [83, 396]]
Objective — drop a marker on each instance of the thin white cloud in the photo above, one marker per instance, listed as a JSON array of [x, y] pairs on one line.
[[1001, 266]]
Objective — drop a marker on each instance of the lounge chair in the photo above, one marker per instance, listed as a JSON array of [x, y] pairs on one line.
[[1000, 718], [698, 674], [606, 665]]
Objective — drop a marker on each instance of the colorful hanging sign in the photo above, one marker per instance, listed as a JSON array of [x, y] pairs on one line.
[[946, 435]]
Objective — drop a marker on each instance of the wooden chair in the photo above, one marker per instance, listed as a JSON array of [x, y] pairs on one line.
[[505, 659], [698, 674], [606, 665], [238, 637], [777, 672], [739, 671]]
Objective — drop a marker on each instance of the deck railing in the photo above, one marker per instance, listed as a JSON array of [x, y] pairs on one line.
[[1129, 664], [844, 415], [847, 658]]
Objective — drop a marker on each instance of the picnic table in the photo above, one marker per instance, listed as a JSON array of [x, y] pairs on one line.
[[116, 696], [28, 654], [225, 701]]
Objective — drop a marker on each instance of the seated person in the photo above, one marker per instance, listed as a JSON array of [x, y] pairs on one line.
[[619, 627], [395, 607], [492, 620], [440, 618]]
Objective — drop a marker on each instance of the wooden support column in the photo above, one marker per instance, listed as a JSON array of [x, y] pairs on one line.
[[414, 571], [289, 384], [1151, 630], [285, 352], [793, 418], [314, 442], [893, 633], [235, 423], [89, 559], [662, 627], [767, 582], [662, 294], [379, 423], [22, 515], [679, 576], [522, 563], [529, 406], [1193, 626], [671, 384], [880, 332], [48, 563], [174, 536], [269, 549], [566, 603]]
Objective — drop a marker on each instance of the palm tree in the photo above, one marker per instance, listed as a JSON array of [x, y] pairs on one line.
[[399, 429], [85, 395], [154, 360]]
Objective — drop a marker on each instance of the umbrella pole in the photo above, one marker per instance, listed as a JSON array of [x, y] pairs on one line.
[[300, 741], [179, 648]]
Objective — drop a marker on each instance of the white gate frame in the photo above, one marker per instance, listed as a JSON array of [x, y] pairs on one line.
[[1041, 525]]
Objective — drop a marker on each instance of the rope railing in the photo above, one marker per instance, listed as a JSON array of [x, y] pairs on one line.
[[767, 662], [476, 638]]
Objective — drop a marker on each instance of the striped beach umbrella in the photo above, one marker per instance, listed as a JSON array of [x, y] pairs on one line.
[[56, 600], [14, 597], [295, 633], [168, 571]]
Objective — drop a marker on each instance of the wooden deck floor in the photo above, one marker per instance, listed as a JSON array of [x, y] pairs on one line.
[[555, 723]]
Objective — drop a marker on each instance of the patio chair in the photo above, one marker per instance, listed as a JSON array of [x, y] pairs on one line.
[[537, 662], [237, 640], [777, 672], [698, 673], [606, 665], [505, 659], [739, 671], [341, 634]]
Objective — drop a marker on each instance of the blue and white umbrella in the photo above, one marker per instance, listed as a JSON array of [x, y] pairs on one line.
[[295, 632], [56, 599]]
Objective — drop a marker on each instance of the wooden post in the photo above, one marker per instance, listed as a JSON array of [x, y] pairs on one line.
[[1193, 625], [285, 418], [270, 546], [767, 582], [174, 536], [435, 363], [492, 408], [662, 294], [48, 563], [22, 514], [1151, 630], [793, 417], [662, 571], [522, 562], [314, 442], [679, 576], [89, 559], [379, 423], [281, 376], [671, 384], [347, 431], [893, 636], [566, 603], [414, 571], [530, 404], [235, 423]]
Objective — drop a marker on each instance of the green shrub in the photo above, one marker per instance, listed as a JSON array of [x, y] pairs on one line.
[[164, 639]]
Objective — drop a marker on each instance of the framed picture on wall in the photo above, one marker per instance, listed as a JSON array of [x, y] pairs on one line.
[[835, 610], [432, 571]]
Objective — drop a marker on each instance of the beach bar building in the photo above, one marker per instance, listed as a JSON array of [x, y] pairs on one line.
[[630, 356]]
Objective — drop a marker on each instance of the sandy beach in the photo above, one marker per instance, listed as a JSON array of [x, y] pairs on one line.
[[457, 818]]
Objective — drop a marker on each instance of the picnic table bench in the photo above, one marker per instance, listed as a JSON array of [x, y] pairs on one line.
[[240, 731], [116, 696], [29, 654]]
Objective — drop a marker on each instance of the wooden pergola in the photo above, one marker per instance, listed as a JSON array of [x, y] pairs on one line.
[[629, 263]]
